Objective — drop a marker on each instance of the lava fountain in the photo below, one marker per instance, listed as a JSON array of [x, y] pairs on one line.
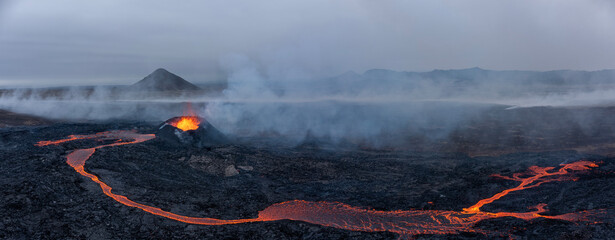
[[187, 123], [406, 223]]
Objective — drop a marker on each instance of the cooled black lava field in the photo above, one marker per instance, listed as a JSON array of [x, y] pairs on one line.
[[44, 198]]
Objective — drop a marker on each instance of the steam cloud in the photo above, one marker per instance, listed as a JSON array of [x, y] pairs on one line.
[[377, 108], [90, 103], [384, 108]]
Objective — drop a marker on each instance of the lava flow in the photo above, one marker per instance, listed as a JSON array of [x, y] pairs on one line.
[[333, 214]]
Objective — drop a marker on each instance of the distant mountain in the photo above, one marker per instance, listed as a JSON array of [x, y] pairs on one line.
[[163, 80], [478, 75], [457, 83]]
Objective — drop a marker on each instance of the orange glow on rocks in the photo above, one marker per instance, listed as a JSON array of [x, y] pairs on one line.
[[406, 223], [187, 123]]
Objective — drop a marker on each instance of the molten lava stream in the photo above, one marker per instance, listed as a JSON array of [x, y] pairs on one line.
[[333, 214]]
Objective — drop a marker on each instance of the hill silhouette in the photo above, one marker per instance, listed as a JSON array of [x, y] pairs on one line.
[[163, 80]]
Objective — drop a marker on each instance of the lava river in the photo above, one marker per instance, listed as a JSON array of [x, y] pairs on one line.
[[406, 223]]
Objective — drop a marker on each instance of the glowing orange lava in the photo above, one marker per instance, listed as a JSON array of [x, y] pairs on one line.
[[186, 123], [333, 214]]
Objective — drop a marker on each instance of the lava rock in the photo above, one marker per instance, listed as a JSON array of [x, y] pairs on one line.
[[230, 171], [213, 165], [246, 168]]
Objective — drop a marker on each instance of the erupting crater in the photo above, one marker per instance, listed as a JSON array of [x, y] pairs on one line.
[[406, 223], [190, 130]]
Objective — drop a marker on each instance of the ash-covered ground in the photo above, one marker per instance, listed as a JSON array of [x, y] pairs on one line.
[[44, 198]]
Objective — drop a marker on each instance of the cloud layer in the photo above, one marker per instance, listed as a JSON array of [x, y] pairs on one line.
[[118, 42]]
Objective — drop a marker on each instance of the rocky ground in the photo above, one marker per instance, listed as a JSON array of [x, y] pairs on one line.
[[44, 198], [10, 119]]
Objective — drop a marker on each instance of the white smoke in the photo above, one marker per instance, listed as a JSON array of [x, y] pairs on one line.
[[378, 107], [383, 107], [90, 103]]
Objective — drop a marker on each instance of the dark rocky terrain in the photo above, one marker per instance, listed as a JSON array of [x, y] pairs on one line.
[[496, 131], [44, 198], [9, 119]]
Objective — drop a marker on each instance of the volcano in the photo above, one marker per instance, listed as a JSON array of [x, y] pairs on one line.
[[190, 130], [163, 80]]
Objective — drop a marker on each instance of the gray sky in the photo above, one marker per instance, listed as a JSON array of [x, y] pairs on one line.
[[119, 42]]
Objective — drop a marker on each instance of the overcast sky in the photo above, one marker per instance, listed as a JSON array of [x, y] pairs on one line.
[[119, 42]]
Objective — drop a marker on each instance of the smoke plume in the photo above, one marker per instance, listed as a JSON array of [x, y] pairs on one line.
[[377, 108], [389, 108]]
